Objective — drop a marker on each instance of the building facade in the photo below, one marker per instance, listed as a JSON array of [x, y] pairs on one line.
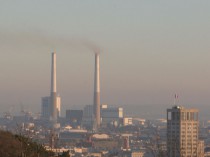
[[74, 117], [88, 117], [127, 121], [111, 115], [182, 132]]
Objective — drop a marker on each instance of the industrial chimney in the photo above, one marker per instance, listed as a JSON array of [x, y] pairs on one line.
[[53, 94], [97, 117]]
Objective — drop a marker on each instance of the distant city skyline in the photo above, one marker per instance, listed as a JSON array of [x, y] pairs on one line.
[[150, 51]]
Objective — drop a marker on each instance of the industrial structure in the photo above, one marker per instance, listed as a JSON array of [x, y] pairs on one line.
[[53, 93], [46, 107], [109, 116], [96, 108], [51, 105], [74, 118], [88, 117]]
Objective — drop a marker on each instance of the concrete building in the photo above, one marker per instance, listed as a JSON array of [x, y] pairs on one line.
[[111, 115], [46, 106], [127, 121], [45, 111], [137, 154], [200, 148], [207, 151], [138, 121], [182, 132], [130, 153], [88, 117], [74, 117]]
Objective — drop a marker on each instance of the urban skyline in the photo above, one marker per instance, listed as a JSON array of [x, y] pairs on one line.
[[150, 51]]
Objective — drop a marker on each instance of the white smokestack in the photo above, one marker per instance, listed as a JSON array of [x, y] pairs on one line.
[[53, 94], [53, 73], [97, 92]]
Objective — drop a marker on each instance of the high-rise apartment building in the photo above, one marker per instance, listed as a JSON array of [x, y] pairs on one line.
[[182, 132]]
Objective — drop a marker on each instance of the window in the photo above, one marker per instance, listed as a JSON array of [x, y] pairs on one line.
[[169, 116]]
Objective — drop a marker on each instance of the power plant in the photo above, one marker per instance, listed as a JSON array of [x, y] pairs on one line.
[[51, 104], [96, 108]]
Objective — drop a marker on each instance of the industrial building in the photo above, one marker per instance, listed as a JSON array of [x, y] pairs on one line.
[[87, 119], [51, 105], [74, 117], [111, 115], [46, 105]]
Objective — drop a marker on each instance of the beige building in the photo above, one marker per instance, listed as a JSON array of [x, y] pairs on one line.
[[182, 133], [129, 153], [127, 121], [200, 148], [137, 154]]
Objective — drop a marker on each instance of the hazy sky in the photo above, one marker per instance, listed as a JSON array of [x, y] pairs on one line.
[[151, 50]]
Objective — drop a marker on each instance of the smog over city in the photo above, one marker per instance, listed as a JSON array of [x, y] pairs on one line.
[[154, 63]]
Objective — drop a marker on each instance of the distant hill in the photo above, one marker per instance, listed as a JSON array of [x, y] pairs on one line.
[[19, 146]]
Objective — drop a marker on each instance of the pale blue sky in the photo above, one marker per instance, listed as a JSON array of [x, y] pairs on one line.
[[151, 49]]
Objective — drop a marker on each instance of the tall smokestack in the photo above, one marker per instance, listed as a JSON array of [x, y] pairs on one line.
[[97, 92], [53, 90]]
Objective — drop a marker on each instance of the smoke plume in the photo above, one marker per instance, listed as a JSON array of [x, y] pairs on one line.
[[43, 40]]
